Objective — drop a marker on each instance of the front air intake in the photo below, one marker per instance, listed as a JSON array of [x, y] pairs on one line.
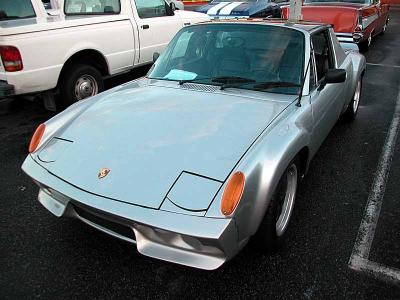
[[200, 87]]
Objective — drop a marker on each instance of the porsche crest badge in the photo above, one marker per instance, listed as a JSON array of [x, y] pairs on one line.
[[103, 173]]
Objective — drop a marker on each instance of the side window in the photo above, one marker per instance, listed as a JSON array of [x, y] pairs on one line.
[[92, 7], [322, 53], [151, 8], [16, 9]]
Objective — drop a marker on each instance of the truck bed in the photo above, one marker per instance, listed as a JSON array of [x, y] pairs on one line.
[[13, 27]]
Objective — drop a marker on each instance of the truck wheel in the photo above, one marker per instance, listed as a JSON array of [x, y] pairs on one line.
[[352, 109], [79, 82], [271, 232]]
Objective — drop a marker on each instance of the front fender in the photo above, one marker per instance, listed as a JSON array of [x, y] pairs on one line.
[[264, 164], [358, 63]]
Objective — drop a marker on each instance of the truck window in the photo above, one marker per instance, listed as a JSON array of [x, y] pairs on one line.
[[92, 7], [16, 9], [323, 53], [151, 8]]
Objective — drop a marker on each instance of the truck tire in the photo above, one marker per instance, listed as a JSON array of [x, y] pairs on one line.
[[78, 82]]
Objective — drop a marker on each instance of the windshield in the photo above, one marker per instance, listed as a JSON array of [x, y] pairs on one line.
[[246, 56], [343, 1], [217, 1], [16, 9]]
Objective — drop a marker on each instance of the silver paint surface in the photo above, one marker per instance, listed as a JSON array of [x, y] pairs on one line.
[[164, 144]]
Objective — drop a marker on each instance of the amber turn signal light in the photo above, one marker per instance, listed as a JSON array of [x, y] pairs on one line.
[[36, 138], [232, 193]]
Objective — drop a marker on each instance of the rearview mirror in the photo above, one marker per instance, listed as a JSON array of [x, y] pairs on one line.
[[156, 55], [333, 76]]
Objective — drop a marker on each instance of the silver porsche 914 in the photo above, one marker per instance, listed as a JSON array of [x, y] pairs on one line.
[[207, 151]]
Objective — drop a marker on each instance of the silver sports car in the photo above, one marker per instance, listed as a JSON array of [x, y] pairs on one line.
[[208, 150]]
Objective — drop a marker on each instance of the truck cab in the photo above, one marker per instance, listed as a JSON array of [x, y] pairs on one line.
[[72, 52]]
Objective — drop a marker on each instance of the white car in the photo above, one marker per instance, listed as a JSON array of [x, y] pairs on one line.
[[89, 40]]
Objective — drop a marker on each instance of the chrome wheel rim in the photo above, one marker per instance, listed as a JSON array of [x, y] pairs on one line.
[[86, 86], [288, 200], [357, 94]]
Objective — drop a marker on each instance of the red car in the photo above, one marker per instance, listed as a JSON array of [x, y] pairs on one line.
[[354, 21]]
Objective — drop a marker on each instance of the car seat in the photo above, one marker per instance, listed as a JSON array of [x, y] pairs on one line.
[[233, 60], [290, 68]]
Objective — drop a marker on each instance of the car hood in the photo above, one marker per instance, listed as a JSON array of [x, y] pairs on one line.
[[147, 135]]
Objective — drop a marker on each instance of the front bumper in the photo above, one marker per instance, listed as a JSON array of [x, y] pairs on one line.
[[200, 242], [350, 37], [6, 89]]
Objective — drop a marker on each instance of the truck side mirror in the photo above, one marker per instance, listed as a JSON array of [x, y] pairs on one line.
[[170, 8], [156, 55], [333, 76]]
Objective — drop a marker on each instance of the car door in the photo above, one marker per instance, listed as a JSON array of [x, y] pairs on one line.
[[157, 25], [326, 101]]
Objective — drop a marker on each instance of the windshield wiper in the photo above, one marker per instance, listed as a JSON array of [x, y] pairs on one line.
[[232, 81], [274, 84], [192, 80], [261, 85], [223, 81]]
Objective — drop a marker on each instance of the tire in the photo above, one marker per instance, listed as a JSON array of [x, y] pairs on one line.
[[271, 232], [384, 27], [78, 82], [364, 46], [351, 111]]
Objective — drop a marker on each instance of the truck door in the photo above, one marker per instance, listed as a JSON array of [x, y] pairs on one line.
[[157, 25]]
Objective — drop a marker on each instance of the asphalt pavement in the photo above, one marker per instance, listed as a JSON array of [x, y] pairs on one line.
[[42, 256]]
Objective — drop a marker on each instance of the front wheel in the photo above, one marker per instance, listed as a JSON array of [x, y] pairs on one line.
[[364, 46], [384, 27], [354, 104], [79, 82], [271, 232]]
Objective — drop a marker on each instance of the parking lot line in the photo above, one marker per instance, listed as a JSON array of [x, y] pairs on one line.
[[382, 65], [359, 257]]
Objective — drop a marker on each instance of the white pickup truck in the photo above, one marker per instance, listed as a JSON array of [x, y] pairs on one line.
[[89, 40]]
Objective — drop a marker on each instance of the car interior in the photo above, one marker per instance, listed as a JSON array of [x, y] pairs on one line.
[[240, 54], [321, 53]]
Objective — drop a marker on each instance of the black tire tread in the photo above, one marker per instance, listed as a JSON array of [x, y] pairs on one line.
[[265, 238], [67, 80]]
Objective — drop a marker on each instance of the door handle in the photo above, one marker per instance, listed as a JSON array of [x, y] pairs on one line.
[[186, 24], [145, 26]]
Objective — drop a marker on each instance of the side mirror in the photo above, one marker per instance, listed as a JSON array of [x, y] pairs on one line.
[[172, 5], [156, 55], [333, 76]]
